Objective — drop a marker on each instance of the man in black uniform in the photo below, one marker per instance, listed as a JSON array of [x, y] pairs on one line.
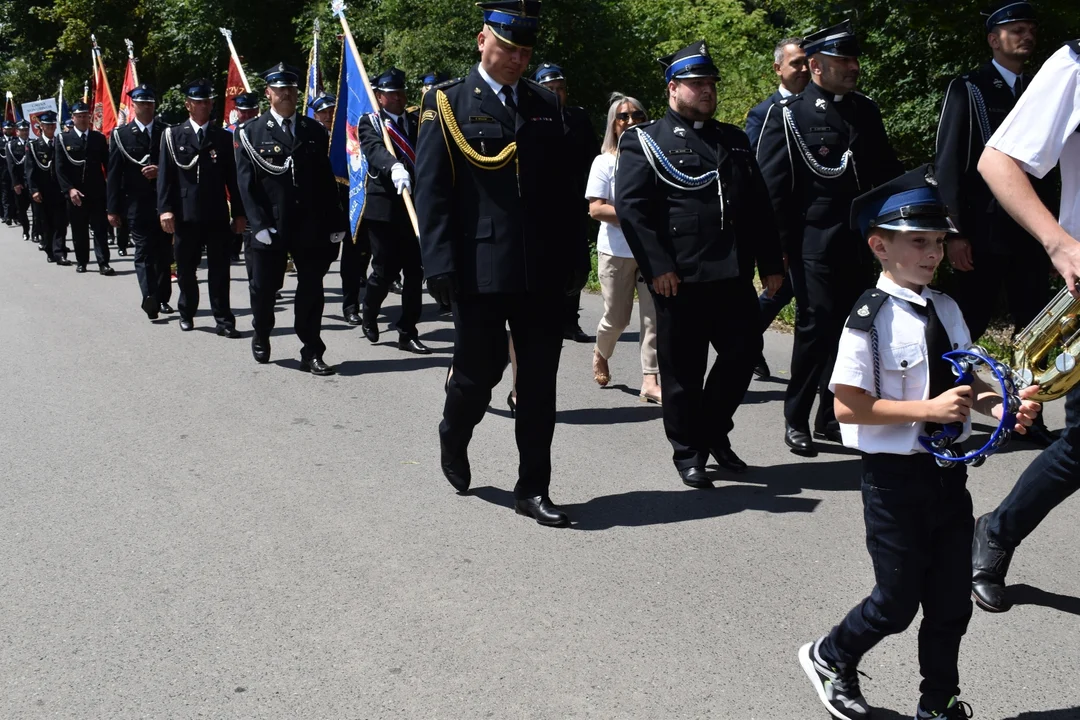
[[247, 107], [7, 196], [586, 146], [394, 247], [697, 217], [16, 172], [196, 168], [131, 198], [40, 171], [993, 252], [818, 151], [82, 157], [289, 192], [500, 231]]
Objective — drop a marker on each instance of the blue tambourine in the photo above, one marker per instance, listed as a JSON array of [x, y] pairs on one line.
[[965, 363]]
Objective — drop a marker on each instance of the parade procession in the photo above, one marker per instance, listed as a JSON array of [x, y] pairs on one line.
[[856, 319]]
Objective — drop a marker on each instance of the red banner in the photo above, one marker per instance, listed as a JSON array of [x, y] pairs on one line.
[[127, 113], [104, 117], [234, 85], [9, 109]]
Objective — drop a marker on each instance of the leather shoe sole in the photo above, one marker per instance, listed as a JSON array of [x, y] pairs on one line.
[[696, 477], [414, 346], [318, 367], [544, 513]]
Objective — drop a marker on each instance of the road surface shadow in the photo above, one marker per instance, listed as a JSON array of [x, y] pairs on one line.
[[1028, 595]]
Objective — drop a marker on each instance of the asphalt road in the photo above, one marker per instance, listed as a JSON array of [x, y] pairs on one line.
[[186, 534]]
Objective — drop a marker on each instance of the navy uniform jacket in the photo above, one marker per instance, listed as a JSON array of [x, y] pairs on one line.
[[303, 202], [40, 170], [756, 117], [382, 201], [4, 142], [198, 195], [16, 154], [93, 152], [975, 105], [699, 234], [813, 212], [518, 228], [128, 192]]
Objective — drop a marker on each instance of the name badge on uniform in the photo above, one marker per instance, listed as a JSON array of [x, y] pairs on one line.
[[479, 118]]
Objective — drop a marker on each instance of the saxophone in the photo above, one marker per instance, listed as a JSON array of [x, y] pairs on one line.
[[1055, 329]]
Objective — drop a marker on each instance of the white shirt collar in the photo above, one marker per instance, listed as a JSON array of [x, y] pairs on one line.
[[784, 92], [1007, 75], [496, 87], [396, 118], [281, 120], [902, 293], [145, 128], [78, 132], [197, 128]]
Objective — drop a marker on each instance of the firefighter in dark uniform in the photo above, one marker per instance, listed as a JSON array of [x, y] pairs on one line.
[[82, 158], [288, 190], [131, 199], [16, 172], [7, 196], [40, 171], [696, 214], [196, 193], [427, 82], [394, 247], [818, 151], [501, 235], [247, 107], [586, 147], [993, 252]]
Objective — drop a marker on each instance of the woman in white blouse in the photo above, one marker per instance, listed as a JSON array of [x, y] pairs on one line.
[[617, 269]]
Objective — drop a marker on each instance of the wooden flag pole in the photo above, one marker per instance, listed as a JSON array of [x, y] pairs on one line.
[[236, 58], [131, 60], [338, 6], [104, 78]]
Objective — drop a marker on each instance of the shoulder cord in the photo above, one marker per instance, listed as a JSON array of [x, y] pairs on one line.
[[77, 163], [877, 360], [172, 153], [980, 111], [123, 151], [484, 162], [654, 154], [269, 167], [37, 162], [816, 167]]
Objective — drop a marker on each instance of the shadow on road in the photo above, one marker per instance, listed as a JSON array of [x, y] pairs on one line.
[[350, 368], [1028, 595]]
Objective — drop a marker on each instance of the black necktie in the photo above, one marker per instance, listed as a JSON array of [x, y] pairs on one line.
[[287, 124], [937, 344], [199, 136], [511, 106], [1018, 86]]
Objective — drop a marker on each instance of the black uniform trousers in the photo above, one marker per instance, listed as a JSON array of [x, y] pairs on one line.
[[188, 242], [1052, 476], [153, 258], [919, 527], [51, 218], [7, 194], [698, 410], [353, 269], [123, 237], [571, 312], [20, 209], [825, 293], [86, 218], [480, 357], [268, 276], [1025, 277], [394, 248]]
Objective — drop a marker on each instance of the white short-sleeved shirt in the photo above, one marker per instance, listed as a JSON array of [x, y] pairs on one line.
[[1041, 130], [601, 185], [903, 368]]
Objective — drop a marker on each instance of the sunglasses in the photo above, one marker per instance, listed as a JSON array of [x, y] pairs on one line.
[[637, 115]]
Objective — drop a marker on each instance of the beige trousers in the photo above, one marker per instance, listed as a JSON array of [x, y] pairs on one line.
[[618, 278]]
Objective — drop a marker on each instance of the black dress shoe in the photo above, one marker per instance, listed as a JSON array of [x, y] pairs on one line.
[[150, 307], [989, 565], [727, 459], [48, 258], [187, 325], [370, 327], [696, 477], [542, 510], [260, 349], [413, 345], [64, 262], [395, 287], [78, 268], [799, 441], [761, 369], [352, 317], [576, 334], [106, 270], [228, 331], [122, 252], [316, 366], [830, 432], [455, 467], [166, 308]]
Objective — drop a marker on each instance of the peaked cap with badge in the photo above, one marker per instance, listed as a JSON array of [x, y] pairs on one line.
[[515, 22], [281, 75], [1002, 13], [693, 61], [142, 93], [837, 41], [908, 203]]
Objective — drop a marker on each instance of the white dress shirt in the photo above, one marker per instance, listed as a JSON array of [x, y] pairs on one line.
[[784, 92], [1041, 130], [903, 368], [496, 87], [147, 128], [196, 127], [1006, 74]]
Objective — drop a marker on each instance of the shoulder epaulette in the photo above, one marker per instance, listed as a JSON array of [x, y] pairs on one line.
[[866, 309], [865, 97], [448, 83], [647, 123], [1075, 45]]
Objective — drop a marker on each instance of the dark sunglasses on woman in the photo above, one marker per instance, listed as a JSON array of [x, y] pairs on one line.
[[637, 115]]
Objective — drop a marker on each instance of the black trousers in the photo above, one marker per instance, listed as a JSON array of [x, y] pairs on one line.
[[698, 410], [480, 356], [825, 293], [1023, 275], [123, 237], [919, 527], [51, 218], [188, 242], [312, 260], [20, 210], [1052, 477], [7, 194], [394, 248], [86, 218], [353, 269], [153, 257], [571, 312]]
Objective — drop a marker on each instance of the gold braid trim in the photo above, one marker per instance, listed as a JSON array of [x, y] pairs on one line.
[[484, 162]]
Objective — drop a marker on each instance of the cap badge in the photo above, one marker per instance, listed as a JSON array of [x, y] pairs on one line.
[[823, 151], [930, 179], [864, 311], [820, 103], [703, 50], [680, 131]]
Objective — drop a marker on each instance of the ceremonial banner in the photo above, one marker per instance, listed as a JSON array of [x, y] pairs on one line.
[[314, 75], [346, 157], [31, 111], [131, 79], [235, 83], [64, 111], [104, 109], [11, 111]]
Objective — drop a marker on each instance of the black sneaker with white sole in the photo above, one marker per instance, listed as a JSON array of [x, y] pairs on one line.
[[837, 687], [956, 710]]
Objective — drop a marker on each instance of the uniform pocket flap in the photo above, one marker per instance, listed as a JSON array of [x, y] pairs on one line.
[[483, 228], [901, 357], [683, 162], [683, 224]]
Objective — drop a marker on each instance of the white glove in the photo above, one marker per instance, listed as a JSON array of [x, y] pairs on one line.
[[337, 237], [400, 177], [263, 236]]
